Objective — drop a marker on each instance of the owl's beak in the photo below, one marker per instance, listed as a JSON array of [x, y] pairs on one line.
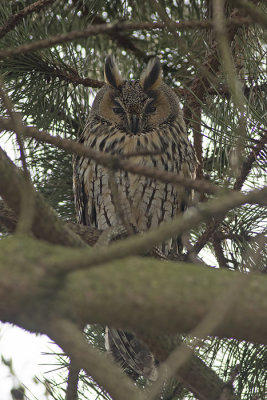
[[134, 123]]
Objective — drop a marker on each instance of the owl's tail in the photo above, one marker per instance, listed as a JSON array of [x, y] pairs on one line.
[[129, 352]]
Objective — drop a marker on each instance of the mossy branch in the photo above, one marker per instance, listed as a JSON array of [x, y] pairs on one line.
[[187, 293]]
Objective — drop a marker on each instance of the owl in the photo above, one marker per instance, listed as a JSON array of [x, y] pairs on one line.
[[128, 118]]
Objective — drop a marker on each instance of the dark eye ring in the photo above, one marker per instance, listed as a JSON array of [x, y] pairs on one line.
[[150, 109], [117, 110]]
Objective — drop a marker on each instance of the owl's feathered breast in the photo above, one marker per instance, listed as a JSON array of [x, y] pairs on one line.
[[146, 202]]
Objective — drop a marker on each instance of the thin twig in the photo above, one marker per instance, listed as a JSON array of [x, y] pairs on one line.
[[254, 12], [218, 249], [112, 162], [71, 75], [94, 30], [248, 162], [72, 383], [15, 19], [96, 364], [244, 172], [27, 200], [231, 77], [198, 140]]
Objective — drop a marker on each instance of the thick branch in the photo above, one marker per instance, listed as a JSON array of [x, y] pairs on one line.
[[187, 293], [254, 12], [140, 244], [46, 225], [7, 218]]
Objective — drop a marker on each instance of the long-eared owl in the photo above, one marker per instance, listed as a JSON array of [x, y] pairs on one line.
[[128, 117]]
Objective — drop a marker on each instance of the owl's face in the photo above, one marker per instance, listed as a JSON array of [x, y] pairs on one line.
[[135, 107]]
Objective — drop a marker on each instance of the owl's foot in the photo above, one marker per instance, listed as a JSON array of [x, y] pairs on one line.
[[111, 234]]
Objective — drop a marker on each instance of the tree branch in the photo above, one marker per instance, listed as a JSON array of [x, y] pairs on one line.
[[108, 29], [140, 244], [96, 364], [247, 163], [244, 172], [72, 383], [88, 296], [7, 217], [46, 225], [15, 19], [89, 235], [109, 161], [254, 12], [52, 229]]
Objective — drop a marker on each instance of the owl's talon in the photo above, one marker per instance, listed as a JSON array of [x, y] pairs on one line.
[[111, 234]]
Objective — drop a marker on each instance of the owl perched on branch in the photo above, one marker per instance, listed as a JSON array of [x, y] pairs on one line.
[[128, 117]]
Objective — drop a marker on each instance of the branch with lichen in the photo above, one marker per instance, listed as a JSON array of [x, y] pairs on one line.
[[88, 296]]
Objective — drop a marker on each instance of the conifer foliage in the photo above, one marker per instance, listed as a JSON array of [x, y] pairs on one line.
[[209, 323]]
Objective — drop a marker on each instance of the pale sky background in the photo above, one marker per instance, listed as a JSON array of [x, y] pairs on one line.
[[25, 349]]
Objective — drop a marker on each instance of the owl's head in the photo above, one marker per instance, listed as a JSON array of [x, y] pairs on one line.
[[135, 106]]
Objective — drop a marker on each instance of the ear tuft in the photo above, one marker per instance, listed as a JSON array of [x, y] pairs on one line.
[[151, 77], [112, 73]]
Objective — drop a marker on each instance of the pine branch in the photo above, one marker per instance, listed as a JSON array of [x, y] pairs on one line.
[[244, 172], [72, 383], [130, 279], [248, 162], [109, 161], [15, 19], [9, 220], [254, 12], [72, 76], [124, 41], [46, 224], [96, 364], [198, 139], [217, 245], [108, 29], [202, 82]]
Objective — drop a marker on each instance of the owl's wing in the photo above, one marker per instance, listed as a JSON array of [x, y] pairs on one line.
[[83, 193], [80, 195], [129, 352]]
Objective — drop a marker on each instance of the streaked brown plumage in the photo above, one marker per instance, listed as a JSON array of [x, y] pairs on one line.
[[127, 117]]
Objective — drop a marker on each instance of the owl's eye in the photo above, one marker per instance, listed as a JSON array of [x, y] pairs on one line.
[[150, 109], [117, 110]]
